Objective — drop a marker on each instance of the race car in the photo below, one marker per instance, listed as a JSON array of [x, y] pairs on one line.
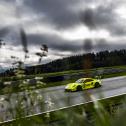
[[83, 83]]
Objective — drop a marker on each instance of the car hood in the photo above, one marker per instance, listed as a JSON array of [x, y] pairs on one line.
[[70, 85]]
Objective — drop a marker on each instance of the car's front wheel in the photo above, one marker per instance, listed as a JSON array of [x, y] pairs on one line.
[[79, 88], [97, 85]]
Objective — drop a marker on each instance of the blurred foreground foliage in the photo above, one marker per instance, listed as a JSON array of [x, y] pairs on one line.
[[109, 112]]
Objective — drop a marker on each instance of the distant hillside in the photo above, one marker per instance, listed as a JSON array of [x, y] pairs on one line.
[[3, 69], [77, 62], [84, 61]]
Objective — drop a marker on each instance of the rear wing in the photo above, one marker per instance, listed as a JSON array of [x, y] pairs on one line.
[[98, 77]]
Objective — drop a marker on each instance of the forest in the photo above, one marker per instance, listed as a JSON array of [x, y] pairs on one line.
[[77, 62]]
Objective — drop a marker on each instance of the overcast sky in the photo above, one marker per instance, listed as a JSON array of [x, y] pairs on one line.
[[68, 27]]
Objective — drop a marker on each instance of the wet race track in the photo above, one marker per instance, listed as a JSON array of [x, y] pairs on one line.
[[55, 98]]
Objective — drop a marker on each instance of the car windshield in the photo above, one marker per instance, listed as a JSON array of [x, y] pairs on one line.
[[80, 81], [87, 80]]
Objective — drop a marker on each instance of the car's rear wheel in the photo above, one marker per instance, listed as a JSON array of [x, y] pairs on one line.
[[79, 88], [97, 85]]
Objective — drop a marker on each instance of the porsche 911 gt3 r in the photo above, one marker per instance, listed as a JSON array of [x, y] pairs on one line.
[[83, 83]]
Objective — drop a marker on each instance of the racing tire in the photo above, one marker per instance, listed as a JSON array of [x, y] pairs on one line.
[[97, 85], [79, 88]]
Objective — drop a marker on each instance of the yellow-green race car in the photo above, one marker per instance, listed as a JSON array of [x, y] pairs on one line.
[[83, 83]]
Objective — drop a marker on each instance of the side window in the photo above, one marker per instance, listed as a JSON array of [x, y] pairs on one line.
[[88, 80], [83, 81]]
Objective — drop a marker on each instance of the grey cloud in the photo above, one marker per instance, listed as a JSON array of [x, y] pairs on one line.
[[55, 42], [104, 44], [4, 31], [62, 55], [9, 1], [96, 45], [60, 14], [99, 17], [113, 46], [103, 17], [88, 18], [88, 45], [58, 44], [101, 44], [57, 12]]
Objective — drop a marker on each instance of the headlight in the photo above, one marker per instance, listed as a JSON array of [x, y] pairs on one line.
[[66, 87]]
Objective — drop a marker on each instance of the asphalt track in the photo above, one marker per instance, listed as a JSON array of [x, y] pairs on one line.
[[54, 98]]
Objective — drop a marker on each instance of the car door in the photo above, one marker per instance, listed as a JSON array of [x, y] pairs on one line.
[[89, 83], [83, 84]]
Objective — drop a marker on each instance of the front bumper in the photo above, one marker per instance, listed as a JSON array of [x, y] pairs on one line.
[[68, 90]]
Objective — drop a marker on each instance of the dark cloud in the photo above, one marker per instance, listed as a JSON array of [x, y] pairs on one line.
[[104, 44], [88, 45], [96, 45], [87, 18], [4, 31], [98, 17], [57, 12], [101, 44], [103, 17], [55, 42], [9, 1], [114, 46]]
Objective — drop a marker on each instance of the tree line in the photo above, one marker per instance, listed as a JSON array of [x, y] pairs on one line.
[[77, 62]]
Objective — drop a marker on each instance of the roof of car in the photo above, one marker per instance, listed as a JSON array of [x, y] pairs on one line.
[[86, 78]]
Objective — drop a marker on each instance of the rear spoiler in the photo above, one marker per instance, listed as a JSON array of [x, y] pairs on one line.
[[98, 77]]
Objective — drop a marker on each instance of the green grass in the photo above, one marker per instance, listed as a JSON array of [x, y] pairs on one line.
[[114, 75], [12, 89], [76, 71], [73, 80], [13, 78], [60, 83]]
